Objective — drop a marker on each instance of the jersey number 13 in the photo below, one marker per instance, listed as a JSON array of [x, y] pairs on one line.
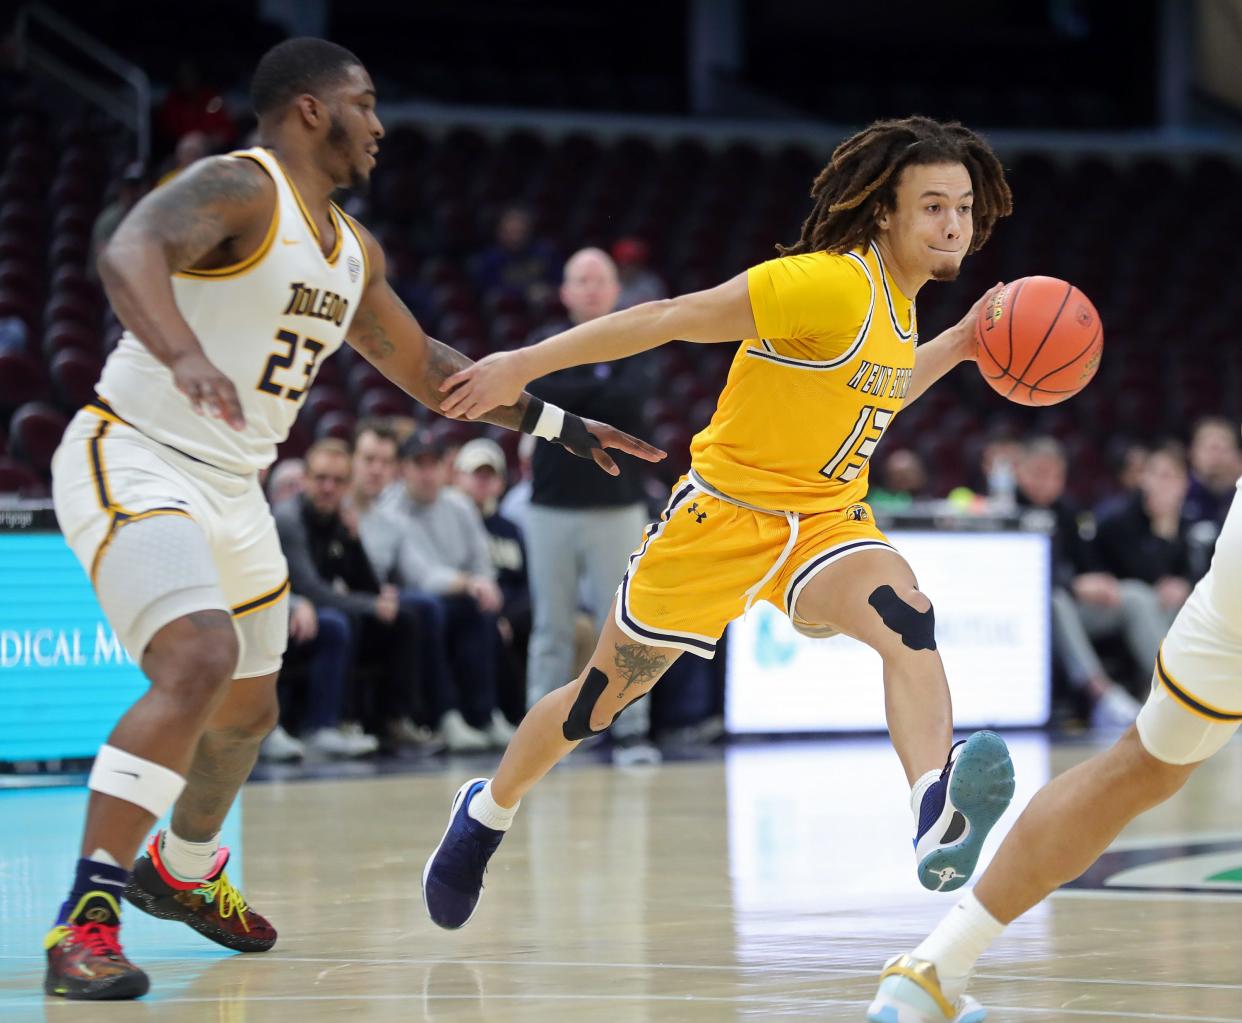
[[853, 453]]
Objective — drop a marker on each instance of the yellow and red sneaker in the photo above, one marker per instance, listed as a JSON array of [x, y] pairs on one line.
[[212, 906], [84, 957]]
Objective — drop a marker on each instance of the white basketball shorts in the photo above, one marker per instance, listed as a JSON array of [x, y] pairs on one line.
[[1195, 705], [163, 535]]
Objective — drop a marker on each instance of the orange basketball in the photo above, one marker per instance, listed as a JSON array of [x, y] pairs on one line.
[[1039, 341]]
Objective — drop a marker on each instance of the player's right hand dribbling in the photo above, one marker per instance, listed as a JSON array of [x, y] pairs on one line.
[[210, 391]]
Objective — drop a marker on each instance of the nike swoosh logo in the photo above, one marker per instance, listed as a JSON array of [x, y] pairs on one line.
[[288, 241], [132, 774], [107, 880]]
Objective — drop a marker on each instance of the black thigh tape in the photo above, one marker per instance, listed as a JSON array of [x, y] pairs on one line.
[[917, 629]]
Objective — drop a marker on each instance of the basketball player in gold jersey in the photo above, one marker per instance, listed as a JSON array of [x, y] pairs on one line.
[[234, 281], [773, 507]]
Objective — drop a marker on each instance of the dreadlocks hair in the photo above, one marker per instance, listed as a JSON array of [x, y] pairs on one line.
[[296, 66], [860, 181]]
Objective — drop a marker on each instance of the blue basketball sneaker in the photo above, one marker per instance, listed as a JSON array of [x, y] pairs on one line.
[[453, 876], [960, 809]]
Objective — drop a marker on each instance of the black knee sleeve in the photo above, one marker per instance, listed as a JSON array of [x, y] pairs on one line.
[[578, 725], [917, 629]]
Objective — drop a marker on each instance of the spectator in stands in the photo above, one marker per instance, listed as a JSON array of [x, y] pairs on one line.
[[1087, 602], [905, 481], [583, 524], [480, 467], [131, 187], [516, 502], [445, 569], [192, 105], [1126, 458], [1146, 539], [328, 565], [1215, 465], [286, 479], [639, 283], [381, 533], [518, 262], [319, 648]]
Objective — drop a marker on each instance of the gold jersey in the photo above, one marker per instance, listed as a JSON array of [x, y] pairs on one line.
[[808, 400]]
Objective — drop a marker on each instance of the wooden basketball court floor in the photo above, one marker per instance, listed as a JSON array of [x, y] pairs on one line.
[[768, 882]]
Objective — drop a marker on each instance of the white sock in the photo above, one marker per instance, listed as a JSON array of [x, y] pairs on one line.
[[920, 788], [957, 943], [188, 861], [484, 809]]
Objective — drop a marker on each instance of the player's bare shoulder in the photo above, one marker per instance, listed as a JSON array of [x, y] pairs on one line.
[[211, 213]]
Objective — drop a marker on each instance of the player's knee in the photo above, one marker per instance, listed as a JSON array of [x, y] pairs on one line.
[[908, 614], [1160, 772], [199, 667], [252, 724]]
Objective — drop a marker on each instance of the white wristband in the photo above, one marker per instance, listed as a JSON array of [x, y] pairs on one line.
[[550, 421]]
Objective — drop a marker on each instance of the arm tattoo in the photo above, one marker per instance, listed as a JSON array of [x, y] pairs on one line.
[[185, 215], [443, 362], [370, 335], [639, 665]]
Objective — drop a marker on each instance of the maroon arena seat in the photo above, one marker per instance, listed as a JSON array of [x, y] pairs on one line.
[[70, 334], [35, 431], [336, 424], [16, 478], [21, 379], [74, 375], [384, 401]]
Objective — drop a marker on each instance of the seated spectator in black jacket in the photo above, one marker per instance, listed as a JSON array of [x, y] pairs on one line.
[[328, 566], [1087, 602], [481, 472], [1146, 538]]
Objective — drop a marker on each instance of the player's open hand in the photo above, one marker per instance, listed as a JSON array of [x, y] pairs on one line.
[[493, 381], [964, 330], [210, 391], [607, 436]]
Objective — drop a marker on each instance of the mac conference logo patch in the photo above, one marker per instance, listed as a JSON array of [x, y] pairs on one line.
[[355, 268], [1192, 867]]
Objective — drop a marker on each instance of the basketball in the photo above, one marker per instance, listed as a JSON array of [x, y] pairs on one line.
[[1039, 341]]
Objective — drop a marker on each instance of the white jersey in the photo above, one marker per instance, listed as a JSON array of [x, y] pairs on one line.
[[267, 323]]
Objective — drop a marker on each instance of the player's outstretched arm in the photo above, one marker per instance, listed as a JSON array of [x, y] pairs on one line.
[[957, 344], [722, 313], [388, 336], [174, 227]]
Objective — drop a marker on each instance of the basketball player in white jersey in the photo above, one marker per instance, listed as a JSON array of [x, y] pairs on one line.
[[1194, 709], [234, 281]]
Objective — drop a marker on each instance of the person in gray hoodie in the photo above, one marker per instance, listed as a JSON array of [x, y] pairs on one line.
[[431, 541]]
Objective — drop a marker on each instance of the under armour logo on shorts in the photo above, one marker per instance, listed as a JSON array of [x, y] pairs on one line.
[[698, 515]]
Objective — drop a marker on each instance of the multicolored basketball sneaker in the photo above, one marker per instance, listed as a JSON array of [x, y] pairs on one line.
[[453, 876], [960, 809], [212, 906], [84, 957], [910, 993]]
